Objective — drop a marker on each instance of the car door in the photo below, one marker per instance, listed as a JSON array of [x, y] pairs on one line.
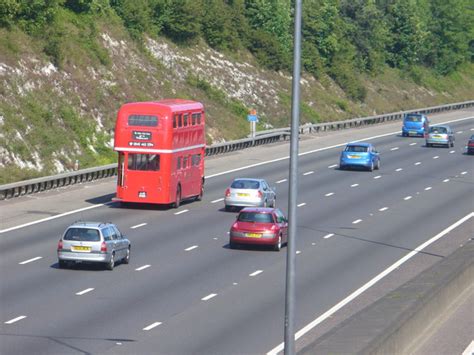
[[108, 239], [268, 193], [120, 242], [283, 224]]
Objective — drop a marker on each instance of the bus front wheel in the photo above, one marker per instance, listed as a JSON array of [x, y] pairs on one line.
[[178, 197]]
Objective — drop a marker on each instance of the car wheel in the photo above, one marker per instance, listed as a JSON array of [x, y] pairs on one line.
[[428, 145], [228, 208], [277, 246], [232, 245], [110, 265], [377, 167], [371, 167], [201, 193], [62, 264], [177, 203], [126, 259]]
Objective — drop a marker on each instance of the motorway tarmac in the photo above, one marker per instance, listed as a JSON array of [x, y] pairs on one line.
[[352, 225]]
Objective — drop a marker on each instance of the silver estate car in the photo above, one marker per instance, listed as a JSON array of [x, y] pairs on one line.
[[246, 192], [93, 242]]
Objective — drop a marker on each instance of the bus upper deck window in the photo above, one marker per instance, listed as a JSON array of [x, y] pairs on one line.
[[174, 121], [199, 118], [180, 120], [185, 119], [193, 117]]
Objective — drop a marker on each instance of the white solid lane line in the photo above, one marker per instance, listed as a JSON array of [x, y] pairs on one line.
[[302, 204], [83, 292], [308, 173], [218, 200], [332, 166], [370, 283], [30, 260], [139, 225], [407, 198], [383, 209], [14, 320], [428, 188], [255, 273], [208, 297], [327, 236], [357, 221], [151, 326], [329, 194], [191, 248], [280, 181], [399, 169], [377, 177], [354, 185], [181, 212], [142, 267], [394, 148]]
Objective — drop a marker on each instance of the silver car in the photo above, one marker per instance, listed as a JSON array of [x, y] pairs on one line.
[[246, 192], [440, 135], [93, 242]]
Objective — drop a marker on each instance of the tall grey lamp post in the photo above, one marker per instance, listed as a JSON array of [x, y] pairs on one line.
[[292, 199]]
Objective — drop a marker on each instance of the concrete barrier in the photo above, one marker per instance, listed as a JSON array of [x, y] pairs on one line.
[[264, 137], [393, 324]]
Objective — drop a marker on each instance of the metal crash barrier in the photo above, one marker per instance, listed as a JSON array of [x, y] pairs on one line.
[[26, 187]]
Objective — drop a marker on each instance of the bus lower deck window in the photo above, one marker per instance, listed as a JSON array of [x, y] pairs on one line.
[[144, 162]]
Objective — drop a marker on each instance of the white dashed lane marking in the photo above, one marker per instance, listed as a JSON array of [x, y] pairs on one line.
[[407, 198], [208, 297], [142, 267], [418, 163], [255, 273], [357, 221], [138, 225], [329, 194], [436, 157], [280, 181], [445, 180], [83, 292], [181, 212], [464, 173], [394, 148], [327, 236], [191, 248], [298, 252], [383, 209], [30, 260], [459, 132], [354, 185], [302, 204], [332, 166], [218, 200], [399, 169], [414, 143], [428, 188], [452, 152], [151, 326], [14, 320], [377, 177], [308, 173]]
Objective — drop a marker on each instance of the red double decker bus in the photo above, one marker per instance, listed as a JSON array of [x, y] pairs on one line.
[[161, 147]]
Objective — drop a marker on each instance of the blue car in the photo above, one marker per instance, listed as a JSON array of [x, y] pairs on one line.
[[415, 124], [359, 155]]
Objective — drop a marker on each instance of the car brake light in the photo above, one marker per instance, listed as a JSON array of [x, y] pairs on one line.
[[260, 194], [227, 193], [274, 227], [234, 226], [103, 247], [60, 244]]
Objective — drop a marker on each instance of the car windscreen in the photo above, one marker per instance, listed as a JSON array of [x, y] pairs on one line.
[[255, 217], [413, 118], [438, 130], [82, 235], [245, 184], [356, 148]]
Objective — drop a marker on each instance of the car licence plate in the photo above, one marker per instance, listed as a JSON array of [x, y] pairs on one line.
[[353, 156], [242, 195], [412, 133], [81, 248], [253, 235], [142, 194]]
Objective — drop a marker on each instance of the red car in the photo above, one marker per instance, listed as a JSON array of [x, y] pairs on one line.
[[259, 226], [470, 145]]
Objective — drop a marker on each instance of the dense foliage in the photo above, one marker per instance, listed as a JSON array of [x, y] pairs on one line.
[[340, 37]]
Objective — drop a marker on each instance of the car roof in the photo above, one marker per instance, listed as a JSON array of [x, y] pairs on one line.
[[258, 209], [441, 125], [84, 224], [362, 144], [249, 179], [414, 114]]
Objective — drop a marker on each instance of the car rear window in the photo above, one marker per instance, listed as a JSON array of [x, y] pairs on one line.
[[438, 130], [413, 118], [82, 235], [356, 148], [245, 184], [255, 217]]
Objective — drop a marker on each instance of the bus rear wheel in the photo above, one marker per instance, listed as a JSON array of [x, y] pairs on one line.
[[201, 193], [177, 203]]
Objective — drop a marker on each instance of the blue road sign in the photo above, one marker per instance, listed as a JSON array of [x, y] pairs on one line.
[[252, 118]]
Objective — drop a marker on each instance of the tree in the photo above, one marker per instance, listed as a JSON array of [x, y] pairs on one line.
[[182, 20]]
